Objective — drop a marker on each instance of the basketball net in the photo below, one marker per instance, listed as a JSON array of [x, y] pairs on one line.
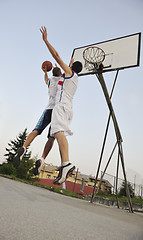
[[93, 56]]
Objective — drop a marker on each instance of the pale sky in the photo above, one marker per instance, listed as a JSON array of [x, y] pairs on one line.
[[24, 95]]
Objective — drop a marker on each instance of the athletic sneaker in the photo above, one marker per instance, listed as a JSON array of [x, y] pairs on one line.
[[36, 169], [64, 173], [20, 153]]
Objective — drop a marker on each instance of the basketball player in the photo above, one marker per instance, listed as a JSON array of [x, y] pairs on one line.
[[43, 122], [62, 112]]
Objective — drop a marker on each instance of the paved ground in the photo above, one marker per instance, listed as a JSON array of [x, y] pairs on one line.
[[28, 212]]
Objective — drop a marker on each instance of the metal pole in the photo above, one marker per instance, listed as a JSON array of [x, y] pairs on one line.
[[117, 131], [105, 136], [134, 184], [114, 186], [105, 91], [114, 84], [105, 170], [117, 180], [100, 158], [75, 180], [124, 172]]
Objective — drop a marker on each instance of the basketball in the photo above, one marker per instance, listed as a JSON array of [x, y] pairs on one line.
[[48, 65]]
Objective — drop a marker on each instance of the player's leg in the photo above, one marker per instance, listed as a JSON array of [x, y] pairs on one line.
[[39, 163], [22, 150], [30, 138], [43, 122], [60, 122], [48, 147], [66, 167], [63, 146]]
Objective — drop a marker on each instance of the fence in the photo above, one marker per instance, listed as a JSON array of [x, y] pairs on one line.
[[137, 188]]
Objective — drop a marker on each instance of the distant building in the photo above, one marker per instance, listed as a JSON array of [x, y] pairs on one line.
[[50, 172]]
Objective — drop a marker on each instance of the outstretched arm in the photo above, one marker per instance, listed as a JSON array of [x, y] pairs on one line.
[[54, 53]]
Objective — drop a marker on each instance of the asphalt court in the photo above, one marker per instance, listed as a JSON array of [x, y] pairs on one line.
[[28, 212]]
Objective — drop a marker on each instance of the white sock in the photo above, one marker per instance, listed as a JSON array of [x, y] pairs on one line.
[[65, 163], [23, 153], [42, 160]]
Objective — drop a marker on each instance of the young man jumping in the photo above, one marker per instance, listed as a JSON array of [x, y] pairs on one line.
[[62, 111], [43, 122]]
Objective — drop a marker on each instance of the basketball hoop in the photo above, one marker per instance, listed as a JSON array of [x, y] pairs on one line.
[[93, 56]]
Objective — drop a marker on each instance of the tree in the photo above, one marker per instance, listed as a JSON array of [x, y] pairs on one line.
[[122, 191], [24, 171], [14, 145]]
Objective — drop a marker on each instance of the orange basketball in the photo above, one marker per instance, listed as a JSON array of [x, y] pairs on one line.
[[48, 65]]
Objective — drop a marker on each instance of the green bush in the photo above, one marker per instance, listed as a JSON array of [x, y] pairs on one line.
[[24, 170], [8, 169]]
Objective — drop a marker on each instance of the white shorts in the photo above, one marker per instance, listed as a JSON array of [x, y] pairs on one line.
[[61, 119]]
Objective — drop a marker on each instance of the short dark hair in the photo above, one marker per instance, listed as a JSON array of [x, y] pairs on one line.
[[77, 67], [56, 72]]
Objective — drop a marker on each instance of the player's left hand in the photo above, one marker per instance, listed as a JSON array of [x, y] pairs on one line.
[[44, 69], [43, 30]]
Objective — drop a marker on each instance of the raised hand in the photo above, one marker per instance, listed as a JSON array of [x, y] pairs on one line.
[[43, 30]]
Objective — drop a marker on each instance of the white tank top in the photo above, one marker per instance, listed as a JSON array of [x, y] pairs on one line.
[[52, 91], [66, 89]]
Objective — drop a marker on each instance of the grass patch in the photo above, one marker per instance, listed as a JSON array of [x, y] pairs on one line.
[[120, 198]]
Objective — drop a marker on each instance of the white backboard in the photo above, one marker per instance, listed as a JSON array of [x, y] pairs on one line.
[[120, 53]]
